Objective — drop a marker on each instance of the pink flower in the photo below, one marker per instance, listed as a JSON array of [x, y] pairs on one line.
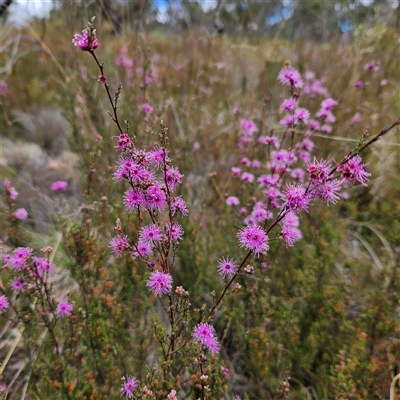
[[356, 119], [318, 170], [87, 41], [147, 108], [133, 199], [314, 125], [64, 308], [359, 84], [246, 176], [248, 127], [59, 186], [290, 77], [159, 283], [302, 115], [3, 89], [4, 304], [236, 171], [371, 66], [328, 104], [118, 244], [296, 198], [288, 120], [270, 140], [21, 213], [143, 249], [128, 387], [150, 234], [289, 105], [205, 334], [102, 79], [253, 238], [17, 285], [354, 170], [175, 233], [227, 267], [232, 201]]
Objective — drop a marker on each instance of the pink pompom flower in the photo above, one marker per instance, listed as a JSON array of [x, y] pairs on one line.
[[59, 186]]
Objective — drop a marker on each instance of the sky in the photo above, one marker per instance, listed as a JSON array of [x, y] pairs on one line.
[[22, 11]]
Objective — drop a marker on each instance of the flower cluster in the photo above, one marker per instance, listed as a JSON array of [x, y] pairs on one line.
[[87, 41], [129, 386], [290, 161], [30, 277], [206, 335]]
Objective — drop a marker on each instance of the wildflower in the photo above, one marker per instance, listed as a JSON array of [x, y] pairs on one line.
[[64, 308], [21, 213], [249, 269], [102, 79], [246, 176], [359, 84], [147, 108], [118, 244], [268, 180], [124, 141], [356, 119], [43, 265], [290, 234], [157, 157], [87, 41], [12, 193], [232, 201], [314, 125], [155, 198], [329, 191], [20, 257], [226, 372], [150, 233], [133, 199], [235, 171], [253, 238], [290, 77], [289, 105], [298, 174], [173, 177], [3, 89], [326, 128], [248, 127], [302, 115], [59, 186], [289, 120], [160, 283], [4, 304], [260, 214], [354, 170], [128, 387], [227, 267], [175, 232], [328, 104], [17, 285], [143, 249], [270, 140], [371, 66], [206, 335], [318, 170], [172, 395], [296, 198], [178, 204]]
